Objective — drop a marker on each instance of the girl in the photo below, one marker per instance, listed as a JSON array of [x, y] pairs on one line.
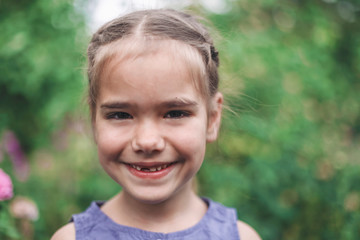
[[154, 101]]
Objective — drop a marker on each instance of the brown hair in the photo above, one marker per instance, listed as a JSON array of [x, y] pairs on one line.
[[158, 24]]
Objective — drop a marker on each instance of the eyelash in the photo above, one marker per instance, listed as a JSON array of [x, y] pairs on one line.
[[174, 114], [119, 115], [177, 114]]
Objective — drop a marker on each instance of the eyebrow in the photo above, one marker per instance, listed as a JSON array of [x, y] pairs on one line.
[[178, 102], [112, 105]]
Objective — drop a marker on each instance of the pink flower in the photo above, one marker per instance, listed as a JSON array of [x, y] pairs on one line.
[[6, 187], [24, 208]]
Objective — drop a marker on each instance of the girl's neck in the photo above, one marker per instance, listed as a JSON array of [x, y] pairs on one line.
[[180, 212]]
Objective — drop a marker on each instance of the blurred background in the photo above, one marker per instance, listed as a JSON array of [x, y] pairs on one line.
[[288, 156]]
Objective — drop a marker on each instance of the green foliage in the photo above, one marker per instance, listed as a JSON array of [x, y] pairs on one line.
[[293, 147], [41, 46], [7, 224], [288, 153]]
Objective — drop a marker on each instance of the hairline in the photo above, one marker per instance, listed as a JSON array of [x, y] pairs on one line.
[[135, 46]]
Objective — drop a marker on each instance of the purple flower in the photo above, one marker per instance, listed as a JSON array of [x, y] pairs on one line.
[[1, 153], [13, 149], [6, 187]]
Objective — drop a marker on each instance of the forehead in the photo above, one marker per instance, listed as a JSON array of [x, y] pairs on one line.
[[147, 82], [182, 57]]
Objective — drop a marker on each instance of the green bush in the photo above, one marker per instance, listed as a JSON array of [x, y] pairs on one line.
[[288, 153]]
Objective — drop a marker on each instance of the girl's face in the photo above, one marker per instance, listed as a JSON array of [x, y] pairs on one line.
[[151, 125]]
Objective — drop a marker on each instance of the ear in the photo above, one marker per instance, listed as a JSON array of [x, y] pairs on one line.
[[214, 118]]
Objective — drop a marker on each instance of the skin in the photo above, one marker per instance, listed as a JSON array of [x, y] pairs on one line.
[[153, 105]]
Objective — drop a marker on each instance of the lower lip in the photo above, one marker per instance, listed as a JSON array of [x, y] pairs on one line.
[[151, 175]]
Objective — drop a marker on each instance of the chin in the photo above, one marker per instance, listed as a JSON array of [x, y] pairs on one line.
[[152, 195], [151, 198]]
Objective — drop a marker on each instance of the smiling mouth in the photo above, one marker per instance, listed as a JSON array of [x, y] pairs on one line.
[[154, 168]]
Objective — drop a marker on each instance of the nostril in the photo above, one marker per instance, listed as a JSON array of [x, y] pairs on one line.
[[147, 137], [148, 144]]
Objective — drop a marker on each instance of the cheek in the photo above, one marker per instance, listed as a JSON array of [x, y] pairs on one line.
[[108, 141], [192, 140]]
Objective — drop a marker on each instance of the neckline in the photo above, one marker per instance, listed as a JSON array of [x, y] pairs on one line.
[[102, 218]]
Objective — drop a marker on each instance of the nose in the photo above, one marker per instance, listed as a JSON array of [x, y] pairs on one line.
[[147, 139]]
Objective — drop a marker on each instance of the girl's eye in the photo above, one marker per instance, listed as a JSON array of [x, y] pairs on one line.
[[119, 115], [176, 114]]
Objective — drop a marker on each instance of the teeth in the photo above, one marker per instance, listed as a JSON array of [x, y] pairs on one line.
[[152, 169]]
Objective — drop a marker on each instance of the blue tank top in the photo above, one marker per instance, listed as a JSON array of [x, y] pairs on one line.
[[218, 223]]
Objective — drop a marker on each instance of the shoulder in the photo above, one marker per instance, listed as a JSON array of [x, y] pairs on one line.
[[246, 232], [67, 232]]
